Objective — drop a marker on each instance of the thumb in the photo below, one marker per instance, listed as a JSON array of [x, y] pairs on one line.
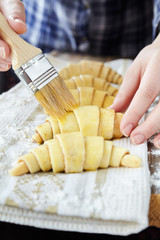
[[14, 12]]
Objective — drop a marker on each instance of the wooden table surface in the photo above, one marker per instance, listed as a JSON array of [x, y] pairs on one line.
[[154, 160]]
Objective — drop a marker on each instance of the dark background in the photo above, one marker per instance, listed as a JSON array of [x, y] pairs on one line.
[[7, 80], [10, 231]]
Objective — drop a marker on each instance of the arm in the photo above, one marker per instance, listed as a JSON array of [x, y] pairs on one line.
[[140, 87], [14, 12]]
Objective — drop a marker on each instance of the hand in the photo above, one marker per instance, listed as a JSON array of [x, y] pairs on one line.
[[140, 87], [14, 12]]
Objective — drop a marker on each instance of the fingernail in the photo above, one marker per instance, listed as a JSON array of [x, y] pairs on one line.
[[114, 102], [4, 66], [137, 139], [2, 52], [17, 20], [127, 130], [110, 106]]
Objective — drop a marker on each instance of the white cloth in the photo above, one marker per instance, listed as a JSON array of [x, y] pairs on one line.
[[113, 200]]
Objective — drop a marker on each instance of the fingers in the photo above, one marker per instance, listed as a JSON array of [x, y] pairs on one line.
[[4, 66], [145, 95], [128, 87], [14, 12], [148, 128], [140, 87], [5, 61]]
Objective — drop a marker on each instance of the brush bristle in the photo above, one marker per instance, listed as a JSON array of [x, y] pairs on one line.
[[56, 98]]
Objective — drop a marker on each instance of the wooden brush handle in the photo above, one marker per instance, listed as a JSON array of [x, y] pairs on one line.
[[21, 51]]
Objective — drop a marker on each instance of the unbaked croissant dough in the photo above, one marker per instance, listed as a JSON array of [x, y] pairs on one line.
[[89, 96], [90, 81], [90, 120], [94, 68], [73, 153]]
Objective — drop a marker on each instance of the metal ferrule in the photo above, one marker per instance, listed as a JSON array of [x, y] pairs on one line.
[[36, 73]]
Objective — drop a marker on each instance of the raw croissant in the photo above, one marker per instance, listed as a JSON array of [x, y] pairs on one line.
[[94, 68], [90, 81], [90, 120], [73, 153], [90, 96]]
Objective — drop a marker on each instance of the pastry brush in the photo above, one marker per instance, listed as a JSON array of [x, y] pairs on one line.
[[34, 69]]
